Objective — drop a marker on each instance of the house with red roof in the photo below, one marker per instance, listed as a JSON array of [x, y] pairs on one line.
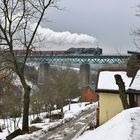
[[89, 95]]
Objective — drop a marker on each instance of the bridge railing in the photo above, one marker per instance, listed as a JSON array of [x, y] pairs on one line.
[[76, 59]]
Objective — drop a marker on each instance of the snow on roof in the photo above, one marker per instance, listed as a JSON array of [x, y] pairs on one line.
[[136, 82], [75, 99], [106, 80]]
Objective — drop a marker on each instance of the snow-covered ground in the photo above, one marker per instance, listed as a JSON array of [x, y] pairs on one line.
[[76, 109], [124, 126]]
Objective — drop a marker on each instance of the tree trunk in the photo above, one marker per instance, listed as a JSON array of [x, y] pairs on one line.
[[0, 129], [26, 102], [62, 111], [50, 113], [61, 108], [69, 104], [122, 92]]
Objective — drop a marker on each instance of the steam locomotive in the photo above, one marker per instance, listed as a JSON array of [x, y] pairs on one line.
[[94, 51], [71, 51]]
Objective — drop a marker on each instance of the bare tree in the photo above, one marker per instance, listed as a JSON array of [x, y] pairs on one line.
[[12, 110], [136, 31], [16, 31], [11, 94], [64, 85], [133, 65]]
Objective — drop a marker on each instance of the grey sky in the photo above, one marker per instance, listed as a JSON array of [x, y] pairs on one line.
[[110, 21]]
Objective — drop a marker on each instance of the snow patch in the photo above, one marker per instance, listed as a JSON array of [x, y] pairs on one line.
[[124, 126]]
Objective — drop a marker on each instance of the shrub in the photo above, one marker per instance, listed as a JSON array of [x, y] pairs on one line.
[[36, 120]]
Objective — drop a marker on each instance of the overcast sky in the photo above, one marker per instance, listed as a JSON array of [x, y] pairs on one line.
[[110, 21]]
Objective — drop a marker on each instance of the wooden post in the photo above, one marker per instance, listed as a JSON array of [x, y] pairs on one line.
[[122, 92]]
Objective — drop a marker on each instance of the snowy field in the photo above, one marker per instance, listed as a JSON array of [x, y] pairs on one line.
[[76, 109], [124, 126]]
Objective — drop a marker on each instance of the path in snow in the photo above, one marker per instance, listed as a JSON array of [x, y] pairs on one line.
[[73, 128]]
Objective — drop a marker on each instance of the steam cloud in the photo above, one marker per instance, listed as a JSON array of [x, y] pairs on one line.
[[64, 40]]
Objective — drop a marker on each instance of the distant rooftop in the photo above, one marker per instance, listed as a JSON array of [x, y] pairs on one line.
[[133, 52]]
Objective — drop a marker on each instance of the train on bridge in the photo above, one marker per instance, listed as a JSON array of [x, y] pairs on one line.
[[71, 51], [94, 51]]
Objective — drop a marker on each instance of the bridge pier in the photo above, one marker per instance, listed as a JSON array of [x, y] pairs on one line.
[[84, 75], [43, 73]]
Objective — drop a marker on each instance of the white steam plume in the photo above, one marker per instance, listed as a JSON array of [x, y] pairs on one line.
[[51, 40]]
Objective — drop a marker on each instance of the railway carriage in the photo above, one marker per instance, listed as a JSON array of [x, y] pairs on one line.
[[70, 51]]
